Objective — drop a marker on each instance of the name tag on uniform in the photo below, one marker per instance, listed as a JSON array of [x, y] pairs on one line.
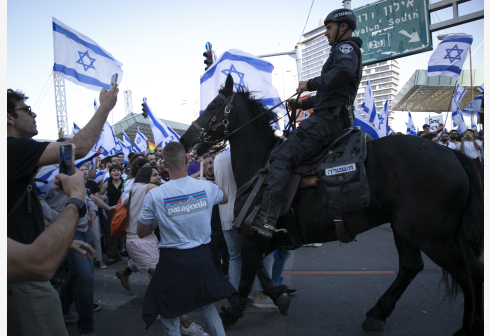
[[340, 169]]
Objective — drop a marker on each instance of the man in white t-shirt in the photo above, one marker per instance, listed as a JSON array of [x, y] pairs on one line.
[[471, 147], [453, 138], [445, 141], [185, 278]]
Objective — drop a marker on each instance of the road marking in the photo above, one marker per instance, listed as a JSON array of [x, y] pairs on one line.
[[338, 272]]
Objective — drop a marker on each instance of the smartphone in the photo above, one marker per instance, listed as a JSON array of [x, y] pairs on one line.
[[67, 160], [114, 78]]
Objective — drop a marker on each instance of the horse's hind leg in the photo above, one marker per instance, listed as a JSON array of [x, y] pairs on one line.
[[410, 264], [277, 294], [448, 256]]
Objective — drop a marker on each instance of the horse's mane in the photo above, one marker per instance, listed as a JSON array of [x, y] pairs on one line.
[[255, 104]]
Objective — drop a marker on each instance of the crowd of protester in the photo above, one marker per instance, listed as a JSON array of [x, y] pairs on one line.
[[85, 233]]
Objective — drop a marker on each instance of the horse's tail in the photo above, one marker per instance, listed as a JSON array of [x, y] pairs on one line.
[[469, 235]]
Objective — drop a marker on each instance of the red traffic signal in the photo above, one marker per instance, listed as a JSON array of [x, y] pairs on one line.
[[208, 54]]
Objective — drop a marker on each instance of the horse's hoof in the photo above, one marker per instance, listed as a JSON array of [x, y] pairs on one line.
[[282, 302], [371, 324]]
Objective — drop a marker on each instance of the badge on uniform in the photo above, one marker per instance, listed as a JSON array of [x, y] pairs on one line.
[[345, 48]]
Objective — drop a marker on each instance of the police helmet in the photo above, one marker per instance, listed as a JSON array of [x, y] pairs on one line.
[[342, 15]]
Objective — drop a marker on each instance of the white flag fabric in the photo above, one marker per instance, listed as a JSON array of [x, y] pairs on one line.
[[460, 91], [249, 72], [368, 106], [162, 134], [123, 149], [473, 109], [140, 142], [127, 142], [48, 177], [473, 123], [365, 125], [481, 88], [81, 60], [449, 56], [410, 125], [383, 128], [457, 116]]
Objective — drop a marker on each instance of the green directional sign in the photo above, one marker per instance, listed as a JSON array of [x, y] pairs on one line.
[[391, 29]]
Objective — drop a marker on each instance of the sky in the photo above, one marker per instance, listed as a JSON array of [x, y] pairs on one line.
[[161, 43]]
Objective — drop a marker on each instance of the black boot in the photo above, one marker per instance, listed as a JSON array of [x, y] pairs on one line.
[[270, 207]]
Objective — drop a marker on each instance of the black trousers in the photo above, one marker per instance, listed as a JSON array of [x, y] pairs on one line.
[[315, 132], [219, 252]]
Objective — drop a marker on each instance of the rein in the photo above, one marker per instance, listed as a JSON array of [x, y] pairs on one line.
[[228, 107]]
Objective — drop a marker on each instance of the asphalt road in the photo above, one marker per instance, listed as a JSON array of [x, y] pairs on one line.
[[326, 304]]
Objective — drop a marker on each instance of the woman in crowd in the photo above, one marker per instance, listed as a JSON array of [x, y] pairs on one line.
[[113, 187]]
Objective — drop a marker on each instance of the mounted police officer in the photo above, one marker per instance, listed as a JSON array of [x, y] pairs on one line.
[[332, 112]]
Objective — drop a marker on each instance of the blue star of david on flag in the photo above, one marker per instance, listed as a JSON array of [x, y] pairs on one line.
[[91, 60], [381, 119], [454, 58], [240, 75]]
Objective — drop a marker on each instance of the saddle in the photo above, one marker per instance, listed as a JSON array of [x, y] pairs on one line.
[[304, 176]]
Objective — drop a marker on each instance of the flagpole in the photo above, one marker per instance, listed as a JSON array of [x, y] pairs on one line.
[[471, 76]]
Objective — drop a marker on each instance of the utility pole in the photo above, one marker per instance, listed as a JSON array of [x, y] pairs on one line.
[[60, 99], [293, 53], [128, 101]]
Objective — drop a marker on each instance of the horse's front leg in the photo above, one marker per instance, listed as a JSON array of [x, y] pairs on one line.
[[252, 252]]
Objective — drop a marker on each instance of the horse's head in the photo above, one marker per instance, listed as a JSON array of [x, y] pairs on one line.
[[214, 122], [226, 113]]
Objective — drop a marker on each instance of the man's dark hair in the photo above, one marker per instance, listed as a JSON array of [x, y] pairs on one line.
[[205, 156], [130, 155], [445, 133], [428, 136], [420, 133], [136, 166], [453, 130], [174, 155], [105, 160], [114, 156], [13, 97], [120, 154], [144, 175], [150, 154], [135, 156]]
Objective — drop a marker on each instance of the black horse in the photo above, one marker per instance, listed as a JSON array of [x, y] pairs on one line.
[[403, 172]]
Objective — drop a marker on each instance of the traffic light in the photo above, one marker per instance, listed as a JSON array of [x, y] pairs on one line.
[[145, 112], [208, 58]]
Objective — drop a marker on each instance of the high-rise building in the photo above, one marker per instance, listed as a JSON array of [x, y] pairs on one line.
[[285, 81], [384, 76]]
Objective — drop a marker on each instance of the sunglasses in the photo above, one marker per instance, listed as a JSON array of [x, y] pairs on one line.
[[27, 108]]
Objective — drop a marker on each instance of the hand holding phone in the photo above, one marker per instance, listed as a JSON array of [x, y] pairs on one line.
[[114, 78], [67, 161]]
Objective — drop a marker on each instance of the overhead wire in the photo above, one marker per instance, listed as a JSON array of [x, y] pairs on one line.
[[49, 77], [307, 20]]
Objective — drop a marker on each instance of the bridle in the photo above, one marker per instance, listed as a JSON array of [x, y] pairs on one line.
[[227, 106]]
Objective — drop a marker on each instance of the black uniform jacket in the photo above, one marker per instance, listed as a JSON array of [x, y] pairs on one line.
[[337, 85]]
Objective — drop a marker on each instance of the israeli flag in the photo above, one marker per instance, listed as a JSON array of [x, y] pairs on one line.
[[480, 88], [473, 109], [81, 60], [75, 129], [365, 125], [457, 116], [473, 123], [140, 142], [90, 156], [162, 134], [449, 57], [410, 125], [250, 73], [368, 106], [49, 177], [383, 128], [127, 142], [124, 150], [99, 175], [460, 91]]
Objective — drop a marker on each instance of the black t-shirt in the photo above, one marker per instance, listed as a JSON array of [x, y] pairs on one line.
[[22, 157], [92, 187]]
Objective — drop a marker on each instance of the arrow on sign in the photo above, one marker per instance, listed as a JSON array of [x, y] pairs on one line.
[[413, 37]]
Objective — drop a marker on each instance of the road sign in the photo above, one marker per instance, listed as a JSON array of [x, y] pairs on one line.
[[391, 29], [208, 46]]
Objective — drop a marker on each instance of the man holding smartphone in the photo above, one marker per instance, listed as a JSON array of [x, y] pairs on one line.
[[34, 308]]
